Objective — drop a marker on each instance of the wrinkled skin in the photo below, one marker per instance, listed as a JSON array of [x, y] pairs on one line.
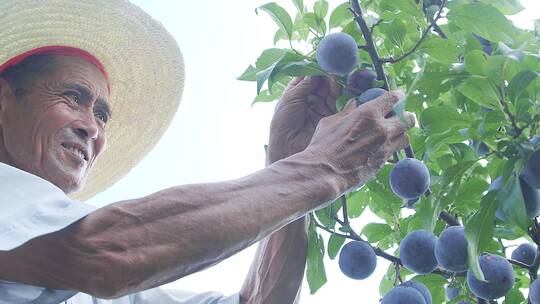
[[304, 103], [34, 128]]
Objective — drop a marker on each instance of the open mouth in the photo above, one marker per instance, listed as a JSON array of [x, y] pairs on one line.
[[78, 152]]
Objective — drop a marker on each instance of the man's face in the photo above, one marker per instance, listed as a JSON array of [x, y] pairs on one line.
[[56, 130]]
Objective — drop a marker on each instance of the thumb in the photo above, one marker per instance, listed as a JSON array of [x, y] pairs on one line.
[[350, 106], [309, 84]]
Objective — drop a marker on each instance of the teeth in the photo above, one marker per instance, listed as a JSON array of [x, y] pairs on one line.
[[75, 151]]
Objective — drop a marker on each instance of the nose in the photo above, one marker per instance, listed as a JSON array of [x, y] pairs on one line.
[[87, 129]]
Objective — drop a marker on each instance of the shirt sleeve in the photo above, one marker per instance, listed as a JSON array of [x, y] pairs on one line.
[[175, 296], [32, 206], [161, 296]]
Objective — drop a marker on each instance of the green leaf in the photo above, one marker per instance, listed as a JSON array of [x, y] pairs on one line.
[[432, 123], [479, 232], [315, 272], [315, 22], [321, 8], [475, 62], [269, 57], [279, 15], [507, 7], [334, 245], [262, 76], [519, 83], [302, 68], [299, 5], [357, 202], [249, 74], [340, 16], [442, 50], [394, 30], [512, 204], [435, 283], [484, 20], [480, 91], [376, 232], [514, 296], [327, 216]]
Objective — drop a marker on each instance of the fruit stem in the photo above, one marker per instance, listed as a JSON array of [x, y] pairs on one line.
[[534, 233], [449, 219], [344, 208]]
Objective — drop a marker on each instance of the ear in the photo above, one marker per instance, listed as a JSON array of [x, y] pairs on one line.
[[6, 96]]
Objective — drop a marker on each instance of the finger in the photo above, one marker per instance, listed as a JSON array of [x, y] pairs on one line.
[[295, 82], [396, 126], [334, 91], [397, 143], [309, 84], [350, 106], [385, 103]]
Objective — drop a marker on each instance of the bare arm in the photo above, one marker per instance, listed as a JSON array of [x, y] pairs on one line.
[[138, 244], [277, 270]]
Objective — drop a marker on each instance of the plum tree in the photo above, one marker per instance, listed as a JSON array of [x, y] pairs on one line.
[[337, 53], [531, 171], [531, 197], [360, 80], [369, 95], [499, 277], [451, 249], [459, 89], [417, 251], [534, 292], [403, 295], [409, 179], [357, 260], [480, 148], [421, 288], [524, 253]]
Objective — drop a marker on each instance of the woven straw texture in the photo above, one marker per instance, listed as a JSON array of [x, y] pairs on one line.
[[143, 61]]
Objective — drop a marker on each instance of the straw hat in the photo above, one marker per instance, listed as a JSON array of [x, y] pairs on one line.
[[143, 62]]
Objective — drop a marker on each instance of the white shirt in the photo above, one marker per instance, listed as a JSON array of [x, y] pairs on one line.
[[30, 207]]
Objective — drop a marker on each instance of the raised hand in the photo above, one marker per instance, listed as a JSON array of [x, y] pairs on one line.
[[304, 103]]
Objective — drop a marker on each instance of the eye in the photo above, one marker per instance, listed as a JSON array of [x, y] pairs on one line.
[[101, 116], [73, 95]]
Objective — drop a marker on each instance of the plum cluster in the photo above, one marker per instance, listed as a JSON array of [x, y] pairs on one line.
[[337, 54], [422, 252]]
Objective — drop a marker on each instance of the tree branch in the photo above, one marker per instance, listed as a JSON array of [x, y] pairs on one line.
[[422, 38], [370, 45]]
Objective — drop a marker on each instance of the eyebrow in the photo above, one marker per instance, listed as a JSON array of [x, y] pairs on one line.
[[86, 95]]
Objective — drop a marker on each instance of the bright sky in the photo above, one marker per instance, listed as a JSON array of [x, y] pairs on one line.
[[217, 135]]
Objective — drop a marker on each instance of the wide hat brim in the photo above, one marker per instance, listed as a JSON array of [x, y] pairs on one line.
[[143, 61]]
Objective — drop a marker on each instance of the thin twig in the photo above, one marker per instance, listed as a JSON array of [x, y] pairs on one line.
[[370, 45], [375, 24], [419, 42]]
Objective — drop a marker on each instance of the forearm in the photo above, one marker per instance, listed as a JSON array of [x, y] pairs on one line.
[[277, 270], [178, 231]]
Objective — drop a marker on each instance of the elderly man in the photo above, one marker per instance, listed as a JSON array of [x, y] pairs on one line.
[[65, 66]]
